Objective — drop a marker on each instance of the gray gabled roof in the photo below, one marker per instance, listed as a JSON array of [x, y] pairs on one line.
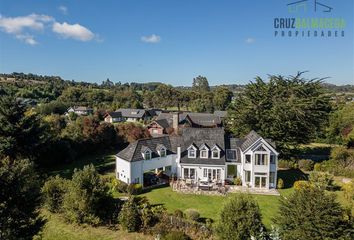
[[198, 137], [114, 114], [250, 139], [221, 114], [163, 123], [132, 113], [204, 119], [134, 151]]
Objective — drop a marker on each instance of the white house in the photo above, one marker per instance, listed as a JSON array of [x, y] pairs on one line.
[[202, 154]]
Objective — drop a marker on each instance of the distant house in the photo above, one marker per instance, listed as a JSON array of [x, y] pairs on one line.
[[134, 115], [81, 110], [166, 122], [113, 117], [221, 114]]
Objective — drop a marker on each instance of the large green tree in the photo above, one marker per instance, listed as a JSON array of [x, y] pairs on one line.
[[21, 133], [222, 98], [341, 126], [240, 219], [311, 213], [290, 110], [19, 200], [87, 199], [200, 84]]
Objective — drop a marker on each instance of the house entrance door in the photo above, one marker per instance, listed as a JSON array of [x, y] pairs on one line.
[[260, 182]]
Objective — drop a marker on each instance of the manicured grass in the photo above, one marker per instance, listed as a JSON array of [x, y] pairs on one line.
[[104, 163], [208, 206], [57, 229]]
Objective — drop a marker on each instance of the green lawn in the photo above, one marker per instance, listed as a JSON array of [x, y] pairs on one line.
[[208, 206], [104, 163], [57, 229]]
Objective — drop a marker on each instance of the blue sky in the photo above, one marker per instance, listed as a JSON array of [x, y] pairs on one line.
[[171, 41]]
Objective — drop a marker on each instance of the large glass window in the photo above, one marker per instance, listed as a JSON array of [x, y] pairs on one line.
[[247, 176], [231, 154], [272, 178], [248, 158], [231, 171], [189, 173], [212, 174], [261, 159]]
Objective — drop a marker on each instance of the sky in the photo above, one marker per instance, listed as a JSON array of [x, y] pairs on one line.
[[170, 41]]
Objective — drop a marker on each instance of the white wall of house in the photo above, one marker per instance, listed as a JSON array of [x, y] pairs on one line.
[[259, 176], [135, 170]]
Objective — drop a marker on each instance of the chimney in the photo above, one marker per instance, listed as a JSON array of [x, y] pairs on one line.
[[175, 122]]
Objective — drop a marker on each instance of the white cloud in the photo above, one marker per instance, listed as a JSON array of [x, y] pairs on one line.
[[18, 26], [75, 31], [29, 39], [63, 9], [151, 39], [250, 40]]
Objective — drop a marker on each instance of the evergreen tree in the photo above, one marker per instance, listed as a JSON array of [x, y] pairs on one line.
[[311, 213], [240, 219], [21, 133], [19, 199], [282, 109], [129, 217], [87, 199]]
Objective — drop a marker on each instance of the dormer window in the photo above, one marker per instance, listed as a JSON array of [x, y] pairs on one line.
[[147, 154], [215, 152], [192, 152], [204, 151], [161, 149]]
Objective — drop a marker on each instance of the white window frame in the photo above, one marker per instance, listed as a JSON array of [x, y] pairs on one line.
[[261, 159], [163, 150], [204, 149], [148, 151], [213, 150], [189, 152], [246, 158]]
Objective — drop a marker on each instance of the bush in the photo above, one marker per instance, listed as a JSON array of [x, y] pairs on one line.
[[192, 214], [237, 181], [175, 235], [311, 213], [134, 189], [87, 199], [306, 164], [287, 164], [322, 180], [280, 184], [53, 192], [317, 167], [348, 189], [240, 218], [301, 184], [129, 217], [178, 213], [119, 186]]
